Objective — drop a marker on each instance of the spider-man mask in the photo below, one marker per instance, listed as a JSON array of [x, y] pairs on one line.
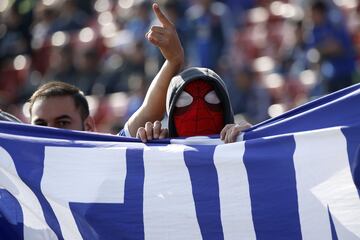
[[198, 110]]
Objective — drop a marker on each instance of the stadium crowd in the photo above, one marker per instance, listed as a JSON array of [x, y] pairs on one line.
[[273, 55]]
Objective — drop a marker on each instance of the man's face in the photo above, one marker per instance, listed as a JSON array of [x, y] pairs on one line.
[[58, 112]]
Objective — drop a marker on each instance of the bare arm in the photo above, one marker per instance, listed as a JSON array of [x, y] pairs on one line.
[[166, 39]]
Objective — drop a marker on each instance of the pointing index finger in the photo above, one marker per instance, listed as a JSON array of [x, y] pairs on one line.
[[160, 15]]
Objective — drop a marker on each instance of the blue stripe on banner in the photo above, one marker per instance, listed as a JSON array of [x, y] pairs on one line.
[[352, 136], [272, 184], [333, 230], [116, 221], [205, 189], [10, 216], [134, 189]]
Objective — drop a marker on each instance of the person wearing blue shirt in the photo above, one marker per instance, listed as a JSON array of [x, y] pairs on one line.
[[333, 42]]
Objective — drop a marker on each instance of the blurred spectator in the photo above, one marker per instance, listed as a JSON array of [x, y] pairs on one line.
[[15, 50], [175, 10], [354, 26], [88, 70], [124, 64], [140, 20], [248, 96], [294, 59], [70, 17], [241, 50], [239, 8], [62, 66], [15, 36], [137, 86], [332, 42], [210, 29], [44, 18]]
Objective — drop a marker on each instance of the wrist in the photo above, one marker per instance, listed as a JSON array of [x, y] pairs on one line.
[[177, 62]]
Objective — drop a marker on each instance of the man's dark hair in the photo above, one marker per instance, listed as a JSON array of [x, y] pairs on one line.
[[58, 89], [319, 6]]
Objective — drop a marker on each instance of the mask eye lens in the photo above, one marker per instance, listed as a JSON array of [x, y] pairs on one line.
[[212, 98], [185, 99]]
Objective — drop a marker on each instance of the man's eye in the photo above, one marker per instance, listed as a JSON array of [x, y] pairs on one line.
[[184, 100], [62, 124], [40, 123], [212, 98]]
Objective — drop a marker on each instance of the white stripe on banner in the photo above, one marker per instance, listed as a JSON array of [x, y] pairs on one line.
[[235, 202], [324, 182], [169, 208], [35, 226], [83, 175]]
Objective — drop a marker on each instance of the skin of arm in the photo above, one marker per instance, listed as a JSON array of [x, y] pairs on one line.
[[166, 39]]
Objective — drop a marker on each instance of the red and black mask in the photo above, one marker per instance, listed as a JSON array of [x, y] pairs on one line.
[[198, 110]]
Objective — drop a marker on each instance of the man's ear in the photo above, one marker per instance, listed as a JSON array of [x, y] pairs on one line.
[[89, 124]]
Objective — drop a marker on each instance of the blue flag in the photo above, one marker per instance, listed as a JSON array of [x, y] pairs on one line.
[[295, 176]]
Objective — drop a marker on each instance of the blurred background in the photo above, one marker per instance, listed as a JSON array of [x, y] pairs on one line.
[[273, 55]]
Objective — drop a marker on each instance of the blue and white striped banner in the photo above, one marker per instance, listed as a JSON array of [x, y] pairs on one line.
[[292, 177]]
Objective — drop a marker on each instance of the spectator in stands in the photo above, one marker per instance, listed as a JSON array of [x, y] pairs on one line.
[[62, 65], [248, 96], [140, 21], [70, 17], [138, 86], [238, 9], [294, 56], [333, 43], [88, 72], [175, 10], [14, 33], [44, 19], [210, 30]]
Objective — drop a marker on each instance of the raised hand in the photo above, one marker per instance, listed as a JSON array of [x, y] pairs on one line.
[[154, 105], [165, 38], [152, 131]]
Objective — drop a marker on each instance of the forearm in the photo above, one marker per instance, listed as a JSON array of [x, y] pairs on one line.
[[156, 94], [153, 107]]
